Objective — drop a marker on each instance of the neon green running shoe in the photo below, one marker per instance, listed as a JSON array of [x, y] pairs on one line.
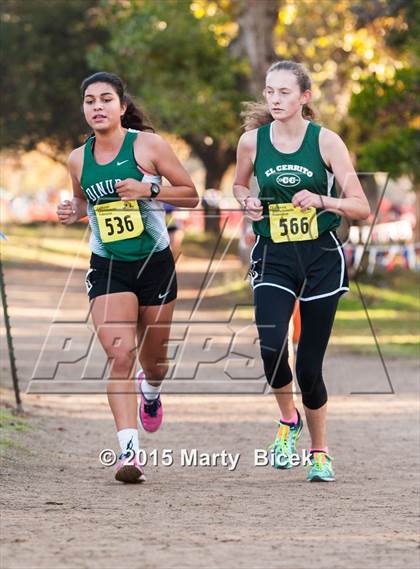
[[283, 451], [321, 469]]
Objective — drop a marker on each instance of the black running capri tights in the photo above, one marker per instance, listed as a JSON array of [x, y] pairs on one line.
[[273, 310]]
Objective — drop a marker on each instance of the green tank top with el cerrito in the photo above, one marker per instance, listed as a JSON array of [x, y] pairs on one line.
[[281, 175], [120, 230]]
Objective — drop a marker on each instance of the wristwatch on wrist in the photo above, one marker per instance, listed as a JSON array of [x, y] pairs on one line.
[[154, 190]]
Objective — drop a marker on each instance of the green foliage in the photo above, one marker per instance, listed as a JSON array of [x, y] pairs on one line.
[[44, 45], [406, 37], [385, 116], [172, 61], [384, 101], [396, 152], [177, 58]]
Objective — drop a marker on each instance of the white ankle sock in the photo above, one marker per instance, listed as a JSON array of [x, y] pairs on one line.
[[150, 391], [129, 439]]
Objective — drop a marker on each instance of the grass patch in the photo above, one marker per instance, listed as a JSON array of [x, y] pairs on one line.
[[42, 230], [10, 426], [202, 245], [11, 422], [51, 244], [10, 444], [392, 301], [398, 290], [388, 350]]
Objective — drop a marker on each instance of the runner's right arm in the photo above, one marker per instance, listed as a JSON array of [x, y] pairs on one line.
[[245, 157], [69, 212]]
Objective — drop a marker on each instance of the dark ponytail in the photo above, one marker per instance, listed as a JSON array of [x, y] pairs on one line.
[[134, 117], [257, 114]]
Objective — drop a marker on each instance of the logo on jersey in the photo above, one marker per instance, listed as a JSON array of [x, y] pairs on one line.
[[288, 174], [288, 180], [88, 282]]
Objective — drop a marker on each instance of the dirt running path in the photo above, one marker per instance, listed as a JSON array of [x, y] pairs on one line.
[[62, 509]]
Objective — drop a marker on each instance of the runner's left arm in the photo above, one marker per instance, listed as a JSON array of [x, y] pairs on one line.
[[181, 192], [353, 203]]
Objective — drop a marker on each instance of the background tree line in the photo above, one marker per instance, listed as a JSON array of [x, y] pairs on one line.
[[192, 63]]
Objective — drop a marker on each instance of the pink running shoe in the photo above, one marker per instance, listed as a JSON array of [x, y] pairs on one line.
[[150, 412], [128, 469]]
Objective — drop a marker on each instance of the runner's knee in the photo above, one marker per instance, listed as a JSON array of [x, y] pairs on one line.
[[273, 310], [311, 383], [276, 365], [122, 361]]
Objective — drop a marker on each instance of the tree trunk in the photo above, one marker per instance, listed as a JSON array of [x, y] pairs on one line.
[[257, 20], [211, 218], [370, 187], [216, 158]]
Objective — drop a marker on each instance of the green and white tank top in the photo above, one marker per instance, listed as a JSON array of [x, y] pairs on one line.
[[281, 175], [121, 230]]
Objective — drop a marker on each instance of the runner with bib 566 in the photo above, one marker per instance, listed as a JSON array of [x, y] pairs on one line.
[[297, 254]]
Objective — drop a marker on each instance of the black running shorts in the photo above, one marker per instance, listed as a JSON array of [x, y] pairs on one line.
[[152, 280], [308, 270]]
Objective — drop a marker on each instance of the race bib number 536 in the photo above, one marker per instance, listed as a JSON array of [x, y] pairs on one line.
[[290, 223], [119, 220]]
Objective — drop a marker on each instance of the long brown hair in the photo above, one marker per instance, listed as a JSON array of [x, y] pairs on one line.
[[256, 114]]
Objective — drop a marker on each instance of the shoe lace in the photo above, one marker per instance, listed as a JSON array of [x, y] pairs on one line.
[[151, 407], [281, 442], [321, 460]]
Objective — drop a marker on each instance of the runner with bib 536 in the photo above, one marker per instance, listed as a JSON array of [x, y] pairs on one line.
[[117, 181], [297, 254]]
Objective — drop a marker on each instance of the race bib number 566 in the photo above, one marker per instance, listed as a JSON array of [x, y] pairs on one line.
[[290, 223], [119, 220]]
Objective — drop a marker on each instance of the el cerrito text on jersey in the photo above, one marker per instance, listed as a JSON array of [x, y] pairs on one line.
[[281, 175]]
